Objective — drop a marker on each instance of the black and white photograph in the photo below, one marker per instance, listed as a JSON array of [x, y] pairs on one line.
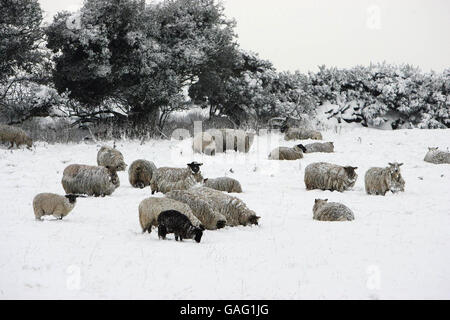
[[224, 150]]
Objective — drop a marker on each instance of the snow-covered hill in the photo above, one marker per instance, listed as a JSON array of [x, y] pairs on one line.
[[398, 246]]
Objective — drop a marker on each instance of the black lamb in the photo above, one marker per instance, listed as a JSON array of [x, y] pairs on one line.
[[172, 221]]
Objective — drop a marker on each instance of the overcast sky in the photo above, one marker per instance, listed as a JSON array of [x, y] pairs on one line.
[[302, 34]]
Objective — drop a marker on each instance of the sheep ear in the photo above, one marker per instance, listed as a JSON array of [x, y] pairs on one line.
[[316, 200], [391, 164], [400, 164], [326, 200], [204, 180], [354, 168]]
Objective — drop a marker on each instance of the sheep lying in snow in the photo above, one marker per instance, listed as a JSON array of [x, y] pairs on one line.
[[380, 180], [331, 211], [318, 147], [437, 156], [210, 218], [226, 184], [90, 180], [302, 134], [167, 179], [285, 153], [150, 208], [53, 204], [234, 209], [109, 157], [176, 222], [14, 135], [140, 173], [327, 176]]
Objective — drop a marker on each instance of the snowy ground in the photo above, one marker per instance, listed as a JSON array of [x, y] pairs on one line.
[[398, 247]]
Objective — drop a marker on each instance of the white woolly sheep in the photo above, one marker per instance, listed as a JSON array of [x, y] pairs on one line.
[[112, 158], [14, 135], [380, 180], [53, 204], [318, 147], [437, 156], [331, 211], [210, 218], [233, 209], [327, 176], [226, 184], [285, 153], [140, 173], [90, 180], [302, 134], [150, 208], [166, 179], [203, 142]]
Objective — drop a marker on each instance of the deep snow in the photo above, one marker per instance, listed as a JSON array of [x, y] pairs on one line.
[[398, 246]]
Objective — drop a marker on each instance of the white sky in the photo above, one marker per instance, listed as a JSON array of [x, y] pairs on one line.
[[302, 34]]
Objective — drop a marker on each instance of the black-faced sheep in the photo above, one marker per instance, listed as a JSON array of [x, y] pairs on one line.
[[140, 173], [302, 134], [285, 153], [226, 184], [327, 176], [14, 135], [318, 147], [166, 179], [150, 208], [90, 180], [173, 221], [437, 156], [210, 218], [331, 211], [380, 180], [112, 158], [233, 209], [53, 204]]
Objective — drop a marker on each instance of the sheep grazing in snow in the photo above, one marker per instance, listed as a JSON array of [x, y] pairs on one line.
[[437, 156], [14, 135], [226, 184], [327, 176], [112, 158], [302, 134], [210, 218], [380, 180], [90, 180], [173, 221], [167, 179], [233, 209], [140, 173], [150, 208], [53, 204], [285, 153], [318, 147], [203, 142], [331, 211]]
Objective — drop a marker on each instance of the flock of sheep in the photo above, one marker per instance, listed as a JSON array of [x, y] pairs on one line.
[[192, 203]]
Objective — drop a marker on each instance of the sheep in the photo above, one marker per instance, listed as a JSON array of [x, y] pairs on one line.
[[437, 156], [45, 204], [150, 208], [204, 142], [318, 147], [176, 222], [90, 180], [140, 173], [109, 157], [14, 135], [380, 180], [327, 176], [166, 179], [226, 184], [285, 153], [233, 209], [202, 209], [302, 134], [331, 211]]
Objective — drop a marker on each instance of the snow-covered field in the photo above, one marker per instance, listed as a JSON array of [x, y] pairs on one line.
[[398, 247]]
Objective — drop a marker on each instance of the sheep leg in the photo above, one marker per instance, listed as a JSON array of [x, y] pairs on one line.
[[12, 145], [176, 237], [162, 232]]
